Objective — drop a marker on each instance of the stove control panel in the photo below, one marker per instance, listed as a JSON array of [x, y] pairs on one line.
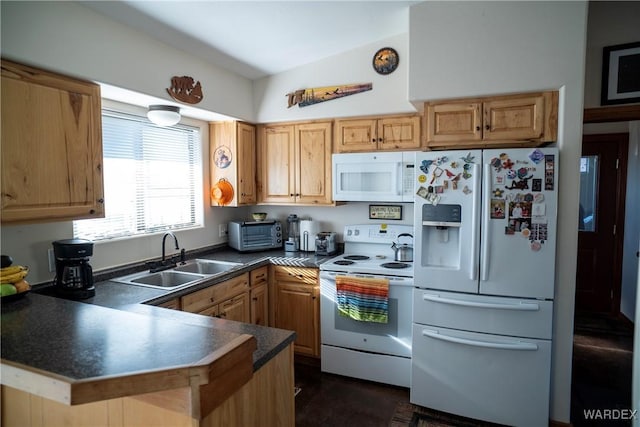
[[375, 233]]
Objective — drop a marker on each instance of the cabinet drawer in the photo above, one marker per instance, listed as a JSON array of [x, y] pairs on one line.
[[173, 304], [259, 276], [200, 300], [296, 274]]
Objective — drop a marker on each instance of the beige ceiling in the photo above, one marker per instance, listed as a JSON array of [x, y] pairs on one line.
[[261, 38]]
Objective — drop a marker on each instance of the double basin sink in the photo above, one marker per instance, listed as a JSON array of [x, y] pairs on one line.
[[179, 276]]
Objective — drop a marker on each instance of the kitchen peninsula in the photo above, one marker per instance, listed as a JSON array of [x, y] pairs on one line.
[[71, 363]]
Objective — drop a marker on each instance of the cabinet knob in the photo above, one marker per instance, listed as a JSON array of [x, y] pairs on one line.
[[255, 298], [291, 195], [92, 211], [100, 201], [477, 128], [373, 140], [487, 127], [380, 140]]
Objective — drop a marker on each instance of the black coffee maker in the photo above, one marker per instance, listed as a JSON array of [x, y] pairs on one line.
[[74, 275]]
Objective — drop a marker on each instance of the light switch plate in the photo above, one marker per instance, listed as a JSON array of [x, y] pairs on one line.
[[222, 230]]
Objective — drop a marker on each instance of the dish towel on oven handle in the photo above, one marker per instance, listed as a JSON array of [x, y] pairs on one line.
[[363, 299]]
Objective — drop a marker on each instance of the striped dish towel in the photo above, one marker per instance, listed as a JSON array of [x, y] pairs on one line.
[[363, 299]]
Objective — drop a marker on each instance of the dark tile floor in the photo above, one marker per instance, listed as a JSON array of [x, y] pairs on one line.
[[333, 401]]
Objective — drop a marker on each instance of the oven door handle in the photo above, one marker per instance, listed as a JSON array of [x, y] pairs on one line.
[[521, 306], [516, 345]]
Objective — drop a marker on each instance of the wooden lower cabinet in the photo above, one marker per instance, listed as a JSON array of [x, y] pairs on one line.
[[266, 399], [297, 306], [259, 294], [228, 300]]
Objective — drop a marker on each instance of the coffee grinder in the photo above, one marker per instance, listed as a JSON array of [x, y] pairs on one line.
[[74, 275]]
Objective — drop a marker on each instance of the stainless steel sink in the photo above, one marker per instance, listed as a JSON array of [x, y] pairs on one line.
[[183, 275], [207, 266], [163, 279]]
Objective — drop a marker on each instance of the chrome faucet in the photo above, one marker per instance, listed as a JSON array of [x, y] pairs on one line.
[[164, 239]]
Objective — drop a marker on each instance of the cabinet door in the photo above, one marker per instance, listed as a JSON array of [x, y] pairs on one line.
[[516, 118], [236, 308], [355, 135], [297, 310], [313, 165], [277, 160], [260, 305], [450, 122], [51, 146], [399, 133], [246, 164]]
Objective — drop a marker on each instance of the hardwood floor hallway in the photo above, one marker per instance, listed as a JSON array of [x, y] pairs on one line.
[[602, 370]]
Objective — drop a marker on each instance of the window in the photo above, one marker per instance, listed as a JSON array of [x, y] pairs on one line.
[[152, 179], [588, 193]]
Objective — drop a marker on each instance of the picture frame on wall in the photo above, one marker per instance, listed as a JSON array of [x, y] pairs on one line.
[[621, 74]]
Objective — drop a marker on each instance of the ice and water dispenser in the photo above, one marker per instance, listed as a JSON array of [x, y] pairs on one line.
[[441, 235]]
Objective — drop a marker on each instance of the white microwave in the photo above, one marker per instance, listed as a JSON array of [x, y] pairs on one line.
[[374, 177]]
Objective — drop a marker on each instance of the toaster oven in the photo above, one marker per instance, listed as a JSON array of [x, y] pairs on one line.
[[249, 236]]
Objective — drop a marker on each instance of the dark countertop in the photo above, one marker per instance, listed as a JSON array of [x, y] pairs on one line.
[[120, 332]]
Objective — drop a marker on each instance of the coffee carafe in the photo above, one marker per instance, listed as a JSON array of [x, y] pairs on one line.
[[292, 244], [74, 275]]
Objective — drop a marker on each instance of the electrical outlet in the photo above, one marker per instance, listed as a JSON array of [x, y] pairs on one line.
[[52, 260], [222, 230]]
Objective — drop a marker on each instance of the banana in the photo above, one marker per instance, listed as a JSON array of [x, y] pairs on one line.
[[13, 274], [11, 270]]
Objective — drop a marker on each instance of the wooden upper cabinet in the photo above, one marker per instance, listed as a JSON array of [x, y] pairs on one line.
[[506, 121], [295, 163], [313, 163], [276, 183], [237, 141], [377, 134], [51, 146]]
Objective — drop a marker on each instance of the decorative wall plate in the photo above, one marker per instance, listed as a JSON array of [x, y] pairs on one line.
[[385, 60]]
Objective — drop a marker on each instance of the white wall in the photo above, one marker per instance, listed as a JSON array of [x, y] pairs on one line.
[[610, 23], [334, 218], [73, 39], [389, 94], [461, 49], [631, 227]]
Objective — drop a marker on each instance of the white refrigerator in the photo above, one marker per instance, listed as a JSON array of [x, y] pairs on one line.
[[484, 270]]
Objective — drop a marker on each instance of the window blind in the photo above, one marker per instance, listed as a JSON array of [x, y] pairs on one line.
[[152, 179]]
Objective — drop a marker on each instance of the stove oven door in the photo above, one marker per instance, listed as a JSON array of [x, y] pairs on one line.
[[392, 338]]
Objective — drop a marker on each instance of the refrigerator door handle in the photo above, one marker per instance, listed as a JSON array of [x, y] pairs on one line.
[[486, 215], [473, 262], [522, 306], [516, 345]]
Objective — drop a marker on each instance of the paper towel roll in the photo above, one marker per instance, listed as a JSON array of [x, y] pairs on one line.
[[308, 231]]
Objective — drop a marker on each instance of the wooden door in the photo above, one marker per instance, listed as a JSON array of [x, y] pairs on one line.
[[313, 163], [296, 311], [260, 305], [399, 133], [356, 135], [51, 148], [236, 308], [515, 118], [277, 160], [246, 164], [451, 122], [601, 223]]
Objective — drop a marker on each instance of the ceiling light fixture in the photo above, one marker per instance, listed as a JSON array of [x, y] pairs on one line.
[[164, 115]]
